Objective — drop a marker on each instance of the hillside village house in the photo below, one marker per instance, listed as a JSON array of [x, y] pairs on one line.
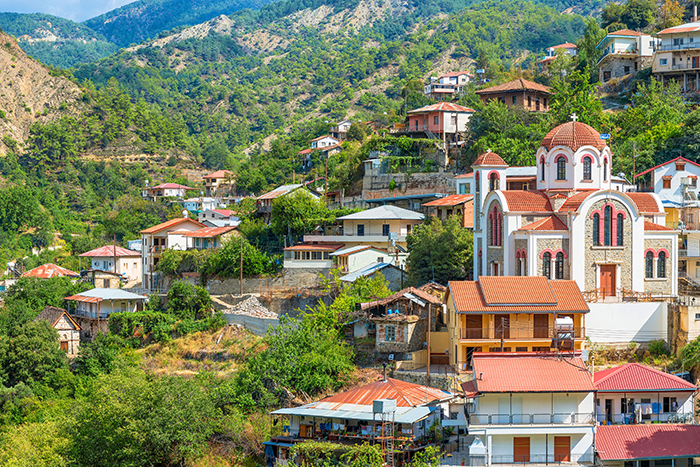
[[209, 238], [340, 131], [353, 258], [68, 328], [218, 218], [516, 314], [128, 262], [546, 417], [156, 239], [622, 244], [49, 270], [552, 52], [325, 146], [327, 256], [624, 52], [637, 394], [677, 56], [264, 202], [394, 276], [676, 184], [648, 445], [199, 204], [453, 205], [447, 86], [105, 279], [164, 190], [220, 183], [521, 93], [100, 303], [444, 121]]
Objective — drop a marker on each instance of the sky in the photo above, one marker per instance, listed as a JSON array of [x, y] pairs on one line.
[[76, 10]]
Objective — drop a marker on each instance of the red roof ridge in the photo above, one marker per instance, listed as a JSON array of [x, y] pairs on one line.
[[623, 371], [549, 223], [490, 158], [665, 163], [573, 135]]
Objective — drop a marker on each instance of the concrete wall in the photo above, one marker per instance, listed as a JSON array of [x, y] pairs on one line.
[[377, 186], [289, 280], [258, 326], [609, 323]]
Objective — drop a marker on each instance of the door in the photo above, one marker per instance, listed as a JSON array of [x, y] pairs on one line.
[[696, 62], [607, 280], [562, 449], [608, 410], [521, 450], [474, 327], [360, 230], [495, 269], [541, 326], [64, 346]]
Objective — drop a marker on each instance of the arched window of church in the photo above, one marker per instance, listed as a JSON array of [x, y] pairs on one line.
[[607, 227], [494, 182], [496, 221], [596, 229], [605, 170], [561, 168], [547, 265], [649, 265], [620, 228], [586, 168], [559, 266], [661, 264], [542, 167]]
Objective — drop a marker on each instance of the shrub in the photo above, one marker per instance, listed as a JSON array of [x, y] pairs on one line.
[[658, 348]]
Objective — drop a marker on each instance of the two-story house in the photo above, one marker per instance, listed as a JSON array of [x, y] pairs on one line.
[[340, 131], [448, 85], [552, 52], [444, 120], [624, 52], [155, 240], [264, 201], [521, 93], [532, 409], [218, 218], [220, 183], [165, 190], [453, 205], [209, 238], [115, 259], [678, 56], [199, 204], [512, 314]]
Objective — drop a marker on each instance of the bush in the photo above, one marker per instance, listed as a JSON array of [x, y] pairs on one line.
[[658, 347], [187, 301]]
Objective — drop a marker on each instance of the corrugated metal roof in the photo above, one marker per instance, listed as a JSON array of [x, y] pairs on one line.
[[387, 212], [660, 441], [687, 27], [279, 191], [405, 394], [531, 374], [110, 251], [356, 249], [49, 270], [442, 107], [107, 294], [364, 272], [315, 247], [636, 377], [411, 415]]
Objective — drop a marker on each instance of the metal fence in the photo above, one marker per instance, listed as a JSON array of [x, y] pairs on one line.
[[532, 419]]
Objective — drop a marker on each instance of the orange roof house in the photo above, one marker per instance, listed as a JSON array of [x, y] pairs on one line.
[[453, 205], [49, 270], [520, 92]]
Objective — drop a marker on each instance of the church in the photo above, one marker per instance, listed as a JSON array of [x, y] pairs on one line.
[[574, 221]]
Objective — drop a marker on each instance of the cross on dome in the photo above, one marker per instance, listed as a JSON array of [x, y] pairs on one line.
[[574, 117]]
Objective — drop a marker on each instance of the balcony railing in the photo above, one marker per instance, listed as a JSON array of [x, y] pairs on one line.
[[543, 459], [532, 419], [628, 419], [515, 333], [688, 46], [684, 66]]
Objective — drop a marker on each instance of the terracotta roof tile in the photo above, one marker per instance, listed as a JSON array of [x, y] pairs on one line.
[[316, 247], [49, 270], [443, 107], [573, 135], [575, 201], [646, 202], [490, 158], [468, 296], [625, 32], [456, 73], [451, 200], [662, 441], [109, 251], [220, 174], [519, 84], [534, 374], [405, 394], [652, 226], [527, 201], [636, 377], [209, 232], [551, 223], [565, 45], [171, 185], [170, 223]]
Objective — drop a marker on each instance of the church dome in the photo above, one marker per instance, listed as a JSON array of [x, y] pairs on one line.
[[490, 158], [573, 135]]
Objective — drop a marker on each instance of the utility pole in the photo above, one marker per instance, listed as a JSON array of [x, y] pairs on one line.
[[634, 159], [241, 266], [325, 189], [427, 367], [114, 252], [502, 332]]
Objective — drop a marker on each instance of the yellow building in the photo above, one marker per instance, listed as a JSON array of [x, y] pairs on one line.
[[512, 313]]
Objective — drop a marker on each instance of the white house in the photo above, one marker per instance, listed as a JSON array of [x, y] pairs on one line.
[[221, 182], [447, 85], [264, 201], [198, 204], [552, 52], [68, 329], [128, 262], [310, 255], [324, 141], [532, 409], [677, 56], [340, 131], [100, 303], [165, 189], [353, 258], [624, 52]]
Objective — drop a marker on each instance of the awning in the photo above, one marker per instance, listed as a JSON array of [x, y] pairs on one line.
[[411, 416], [83, 298], [414, 299]]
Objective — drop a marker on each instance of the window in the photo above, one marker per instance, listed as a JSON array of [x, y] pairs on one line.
[[496, 219], [697, 316], [391, 333], [627, 70], [649, 265], [326, 255], [667, 183], [515, 100], [561, 168], [385, 230], [494, 182], [380, 259], [661, 265], [586, 168], [670, 404], [607, 227], [596, 229], [542, 167], [360, 230], [605, 170], [663, 61], [436, 120], [464, 189], [620, 229], [453, 120], [559, 266], [529, 101], [547, 265]]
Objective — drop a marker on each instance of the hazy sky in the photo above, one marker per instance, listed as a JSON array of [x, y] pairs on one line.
[[77, 10]]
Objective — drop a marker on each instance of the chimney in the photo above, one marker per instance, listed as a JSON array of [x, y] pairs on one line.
[[695, 13], [384, 365]]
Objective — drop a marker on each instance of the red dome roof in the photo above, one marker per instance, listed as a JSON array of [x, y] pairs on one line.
[[490, 158], [573, 135]]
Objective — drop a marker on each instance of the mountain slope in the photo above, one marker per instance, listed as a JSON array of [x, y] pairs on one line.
[[144, 19], [56, 41]]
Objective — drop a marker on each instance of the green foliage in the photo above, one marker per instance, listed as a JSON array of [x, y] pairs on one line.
[[36, 444], [574, 94], [439, 251], [588, 54], [100, 355], [30, 354], [347, 295], [317, 453], [689, 357], [297, 213], [658, 347], [188, 302]]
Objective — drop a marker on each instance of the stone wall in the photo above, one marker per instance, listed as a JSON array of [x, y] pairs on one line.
[[616, 67], [553, 244], [288, 280], [445, 381], [377, 186], [91, 327], [409, 336], [659, 286]]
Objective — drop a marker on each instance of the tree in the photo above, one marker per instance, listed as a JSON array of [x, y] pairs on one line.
[[671, 14], [100, 355], [574, 94], [439, 251], [30, 354], [357, 132], [637, 14], [187, 301], [588, 54], [297, 213]]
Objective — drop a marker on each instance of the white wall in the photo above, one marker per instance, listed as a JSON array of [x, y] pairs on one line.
[[670, 170], [363, 258], [541, 445], [683, 398], [535, 403], [626, 322]]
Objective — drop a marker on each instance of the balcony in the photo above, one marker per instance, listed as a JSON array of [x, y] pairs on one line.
[[351, 237], [523, 333], [531, 419], [618, 53], [544, 459], [688, 46], [628, 419]]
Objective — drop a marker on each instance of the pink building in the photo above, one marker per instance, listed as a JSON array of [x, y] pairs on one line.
[[444, 120]]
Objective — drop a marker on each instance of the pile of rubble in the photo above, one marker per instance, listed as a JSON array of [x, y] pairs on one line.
[[251, 307]]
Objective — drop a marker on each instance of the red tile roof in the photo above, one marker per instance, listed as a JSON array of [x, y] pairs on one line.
[[456, 73], [646, 202], [575, 201], [219, 174], [550, 223], [224, 212], [452, 200], [662, 441], [625, 32], [209, 232], [679, 158], [171, 185], [400, 294], [519, 84], [316, 247], [49, 270], [565, 45], [490, 158], [467, 175], [306, 151], [517, 294], [527, 201], [109, 251], [442, 107], [534, 374], [170, 223], [636, 377], [405, 394], [652, 226], [573, 135]]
